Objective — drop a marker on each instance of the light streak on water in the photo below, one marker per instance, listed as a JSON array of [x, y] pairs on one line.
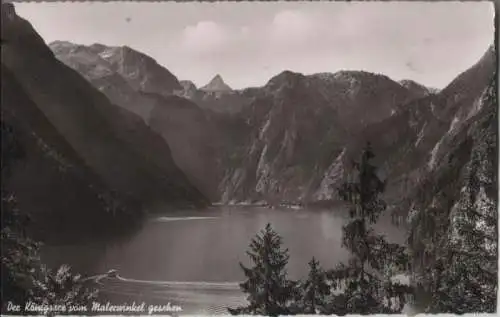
[[168, 219], [194, 297]]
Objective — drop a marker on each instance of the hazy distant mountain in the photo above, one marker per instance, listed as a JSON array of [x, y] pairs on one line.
[[140, 71], [119, 72], [229, 102], [129, 158], [224, 100], [194, 138], [184, 126], [217, 84]]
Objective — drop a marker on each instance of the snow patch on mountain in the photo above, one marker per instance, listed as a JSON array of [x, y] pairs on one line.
[[264, 128], [433, 159], [453, 125], [421, 135], [262, 172]]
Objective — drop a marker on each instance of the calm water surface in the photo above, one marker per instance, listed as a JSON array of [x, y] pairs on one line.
[[192, 257]]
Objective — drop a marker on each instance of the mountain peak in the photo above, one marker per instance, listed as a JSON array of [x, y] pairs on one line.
[[216, 84]]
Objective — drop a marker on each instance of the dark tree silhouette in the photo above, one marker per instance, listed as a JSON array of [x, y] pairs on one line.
[[366, 283], [315, 290], [269, 290]]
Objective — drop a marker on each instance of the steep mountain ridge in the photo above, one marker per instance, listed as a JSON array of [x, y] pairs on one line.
[[130, 158], [66, 196], [439, 200], [410, 142]]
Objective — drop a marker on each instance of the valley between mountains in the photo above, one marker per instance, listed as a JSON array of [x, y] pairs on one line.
[[94, 137]]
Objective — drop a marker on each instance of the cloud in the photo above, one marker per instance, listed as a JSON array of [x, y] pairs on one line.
[[249, 43], [245, 30], [204, 37], [291, 27]]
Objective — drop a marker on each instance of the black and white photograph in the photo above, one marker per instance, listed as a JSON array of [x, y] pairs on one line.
[[249, 158]]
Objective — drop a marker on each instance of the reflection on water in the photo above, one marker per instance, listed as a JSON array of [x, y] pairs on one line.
[[206, 247]]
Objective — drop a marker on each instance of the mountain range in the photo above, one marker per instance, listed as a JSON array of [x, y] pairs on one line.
[[290, 139], [152, 138]]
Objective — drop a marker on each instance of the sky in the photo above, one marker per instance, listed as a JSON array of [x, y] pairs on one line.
[[248, 43]]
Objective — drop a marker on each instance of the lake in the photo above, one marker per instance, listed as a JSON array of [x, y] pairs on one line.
[[191, 258]]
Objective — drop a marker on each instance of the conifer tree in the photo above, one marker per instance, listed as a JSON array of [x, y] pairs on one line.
[[315, 290], [366, 283], [62, 287], [269, 290], [19, 253], [19, 257]]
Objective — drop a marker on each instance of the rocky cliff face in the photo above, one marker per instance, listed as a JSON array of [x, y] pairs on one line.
[[304, 129], [300, 128], [127, 157], [410, 142], [439, 201]]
